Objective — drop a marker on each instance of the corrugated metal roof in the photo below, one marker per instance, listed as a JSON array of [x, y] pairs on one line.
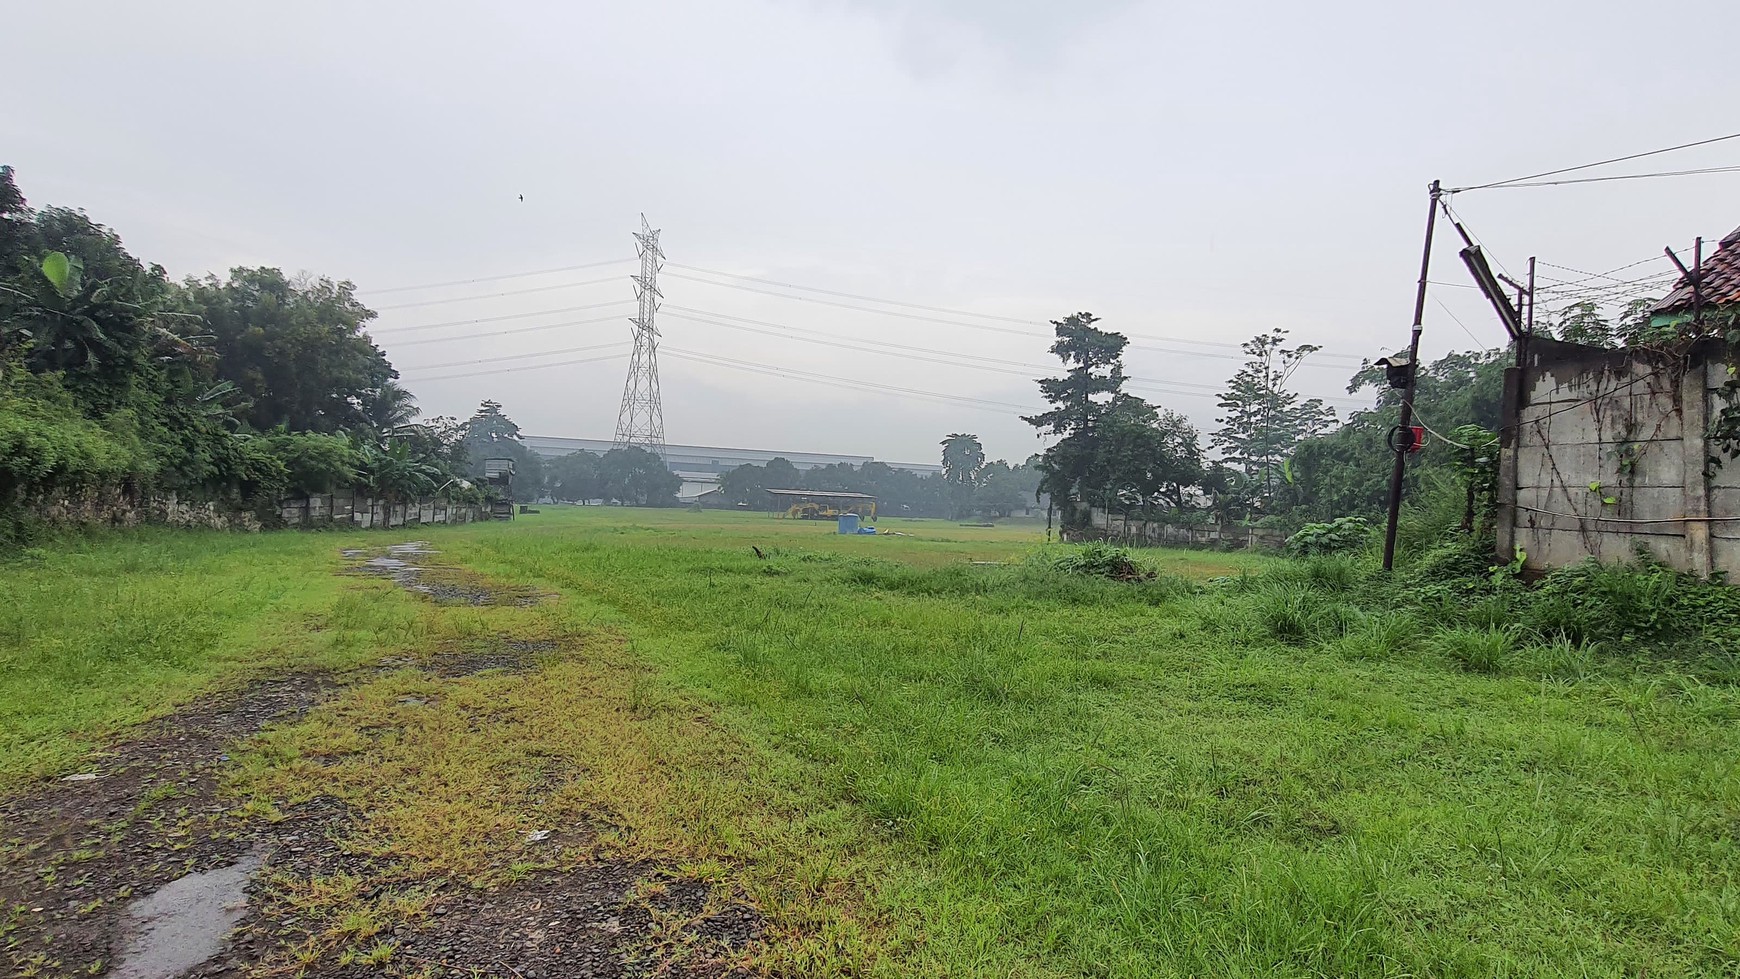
[[822, 494], [1721, 280]]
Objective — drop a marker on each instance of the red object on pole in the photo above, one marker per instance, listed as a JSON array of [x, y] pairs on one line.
[[1419, 438]]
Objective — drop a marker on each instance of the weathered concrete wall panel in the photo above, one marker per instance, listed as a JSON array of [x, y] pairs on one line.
[[1605, 453]]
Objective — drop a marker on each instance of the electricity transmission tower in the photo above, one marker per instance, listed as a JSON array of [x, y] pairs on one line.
[[641, 420]]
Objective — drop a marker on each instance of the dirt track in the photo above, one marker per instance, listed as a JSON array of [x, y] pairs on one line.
[[81, 858]]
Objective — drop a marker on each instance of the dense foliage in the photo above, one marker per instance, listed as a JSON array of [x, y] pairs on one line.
[[116, 380], [1280, 458]]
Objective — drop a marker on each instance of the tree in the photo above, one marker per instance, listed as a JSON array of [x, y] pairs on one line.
[[1582, 322], [491, 434], [1094, 359], [396, 475], [1346, 472], [746, 484], [1095, 368], [635, 477], [17, 225], [392, 408], [576, 476], [1144, 457], [1003, 488], [781, 474], [1264, 420], [962, 459], [294, 348]]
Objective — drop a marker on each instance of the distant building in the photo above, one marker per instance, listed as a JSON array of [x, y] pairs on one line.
[[700, 466]]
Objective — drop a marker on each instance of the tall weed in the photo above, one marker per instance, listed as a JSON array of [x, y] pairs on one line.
[[1482, 650]]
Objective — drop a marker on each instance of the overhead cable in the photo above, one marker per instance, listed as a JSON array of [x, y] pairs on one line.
[[498, 319], [499, 295], [1598, 163], [523, 367], [493, 278], [1137, 339]]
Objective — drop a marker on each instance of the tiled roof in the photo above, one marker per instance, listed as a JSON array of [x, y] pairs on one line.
[[1721, 279]]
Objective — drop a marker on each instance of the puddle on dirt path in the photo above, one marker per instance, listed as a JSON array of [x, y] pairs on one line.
[[75, 853], [185, 923], [443, 584]]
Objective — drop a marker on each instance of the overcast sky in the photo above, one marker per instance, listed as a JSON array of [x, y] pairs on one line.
[[1189, 172]]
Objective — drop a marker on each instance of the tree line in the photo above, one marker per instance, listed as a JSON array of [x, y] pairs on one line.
[[1276, 458], [968, 485], [239, 390]]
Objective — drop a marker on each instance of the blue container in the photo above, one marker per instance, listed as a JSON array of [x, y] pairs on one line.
[[848, 523]]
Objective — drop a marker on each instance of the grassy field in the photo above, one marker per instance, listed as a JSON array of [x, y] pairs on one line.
[[927, 754]]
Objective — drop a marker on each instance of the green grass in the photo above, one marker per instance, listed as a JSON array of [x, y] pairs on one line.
[[105, 631], [989, 769]]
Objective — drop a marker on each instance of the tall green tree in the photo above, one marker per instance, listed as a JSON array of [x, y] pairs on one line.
[[1145, 458], [636, 477], [1263, 419], [962, 459], [1094, 375], [491, 434], [574, 477], [294, 348], [1094, 371]]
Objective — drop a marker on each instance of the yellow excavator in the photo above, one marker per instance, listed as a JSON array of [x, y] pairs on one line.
[[809, 510]]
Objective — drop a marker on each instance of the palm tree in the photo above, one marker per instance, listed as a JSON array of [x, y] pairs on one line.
[[391, 409], [962, 458]]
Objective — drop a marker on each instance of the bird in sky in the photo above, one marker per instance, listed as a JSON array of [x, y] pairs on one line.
[[522, 198]]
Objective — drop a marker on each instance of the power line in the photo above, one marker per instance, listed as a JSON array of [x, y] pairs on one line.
[[835, 380], [496, 360], [504, 333], [1145, 341], [523, 367], [943, 357], [853, 295], [972, 361], [499, 319], [1622, 176], [1600, 163], [1458, 320], [493, 278], [498, 295]]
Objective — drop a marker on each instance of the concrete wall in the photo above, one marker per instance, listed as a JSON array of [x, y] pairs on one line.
[[1633, 424], [346, 509], [1115, 528]]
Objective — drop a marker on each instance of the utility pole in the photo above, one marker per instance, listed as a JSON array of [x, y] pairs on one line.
[[1404, 429], [641, 420]]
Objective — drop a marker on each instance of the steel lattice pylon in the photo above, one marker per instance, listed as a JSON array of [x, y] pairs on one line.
[[641, 420]]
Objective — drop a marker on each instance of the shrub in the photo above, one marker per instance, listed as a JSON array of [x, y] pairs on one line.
[[1097, 559], [46, 446], [1343, 535], [313, 463], [1642, 601]]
